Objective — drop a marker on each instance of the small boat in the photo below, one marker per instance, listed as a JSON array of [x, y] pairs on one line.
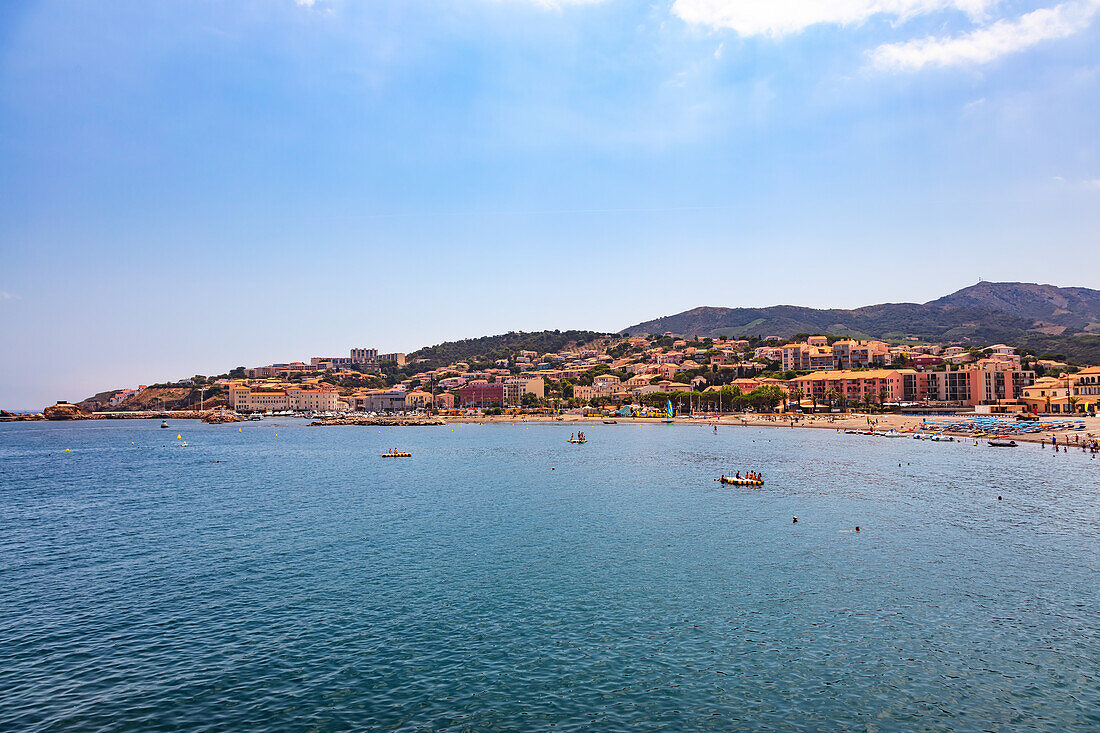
[[576, 440], [255, 416], [741, 481], [164, 423], [396, 454], [668, 414], [1002, 443], [942, 439], [610, 422]]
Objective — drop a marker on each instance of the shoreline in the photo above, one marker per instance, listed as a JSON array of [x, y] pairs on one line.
[[906, 424]]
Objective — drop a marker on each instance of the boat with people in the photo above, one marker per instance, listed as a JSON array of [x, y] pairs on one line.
[[739, 481], [396, 454], [579, 438], [751, 478]]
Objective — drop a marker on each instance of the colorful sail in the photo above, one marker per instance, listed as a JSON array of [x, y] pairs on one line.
[[668, 410]]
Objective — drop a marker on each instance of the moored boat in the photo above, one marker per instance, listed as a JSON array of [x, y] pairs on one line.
[[1001, 443]]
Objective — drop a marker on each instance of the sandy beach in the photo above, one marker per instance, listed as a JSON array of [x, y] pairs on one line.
[[837, 422]]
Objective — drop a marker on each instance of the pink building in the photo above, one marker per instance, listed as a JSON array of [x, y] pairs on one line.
[[482, 395], [886, 385]]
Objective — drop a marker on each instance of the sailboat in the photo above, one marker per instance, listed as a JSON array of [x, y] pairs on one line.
[[668, 413]]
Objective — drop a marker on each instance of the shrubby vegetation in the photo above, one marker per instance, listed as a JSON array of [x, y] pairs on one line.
[[487, 349]]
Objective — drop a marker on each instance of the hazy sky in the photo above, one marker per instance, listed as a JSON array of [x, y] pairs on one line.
[[190, 186]]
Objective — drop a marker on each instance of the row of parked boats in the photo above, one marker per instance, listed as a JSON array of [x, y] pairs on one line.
[[994, 441], [934, 437], [983, 425]]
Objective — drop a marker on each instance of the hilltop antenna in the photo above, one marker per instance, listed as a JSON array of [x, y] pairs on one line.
[[980, 279]]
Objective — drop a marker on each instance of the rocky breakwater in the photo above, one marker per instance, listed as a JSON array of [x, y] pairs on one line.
[[6, 416], [376, 421], [217, 418]]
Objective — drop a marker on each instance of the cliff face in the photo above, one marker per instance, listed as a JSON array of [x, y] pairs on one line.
[[66, 411]]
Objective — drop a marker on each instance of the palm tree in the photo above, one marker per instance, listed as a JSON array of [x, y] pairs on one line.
[[797, 395], [831, 394]]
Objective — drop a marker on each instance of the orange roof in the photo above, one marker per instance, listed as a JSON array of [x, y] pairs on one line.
[[853, 374]]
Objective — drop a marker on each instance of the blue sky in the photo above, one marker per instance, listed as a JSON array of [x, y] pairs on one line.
[[187, 187]]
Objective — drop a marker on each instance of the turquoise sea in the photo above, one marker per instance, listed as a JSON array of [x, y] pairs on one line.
[[285, 578]]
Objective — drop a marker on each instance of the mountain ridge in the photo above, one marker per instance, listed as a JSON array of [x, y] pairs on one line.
[[1040, 317]]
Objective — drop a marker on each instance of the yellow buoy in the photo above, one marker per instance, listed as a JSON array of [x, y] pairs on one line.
[[179, 437], [238, 430]]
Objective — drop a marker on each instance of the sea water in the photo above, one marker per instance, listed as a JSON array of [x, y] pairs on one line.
[[272, 576]]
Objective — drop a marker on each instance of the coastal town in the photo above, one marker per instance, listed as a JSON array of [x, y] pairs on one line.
[[636, 376]]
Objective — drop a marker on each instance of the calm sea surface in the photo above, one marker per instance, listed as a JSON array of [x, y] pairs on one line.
[[286, 578]]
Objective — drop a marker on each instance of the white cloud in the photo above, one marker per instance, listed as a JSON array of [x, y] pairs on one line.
[[4, 295], [977, 104], [555, 4], [782, 17], [305, 3], [990, 43], [1086, 183]]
